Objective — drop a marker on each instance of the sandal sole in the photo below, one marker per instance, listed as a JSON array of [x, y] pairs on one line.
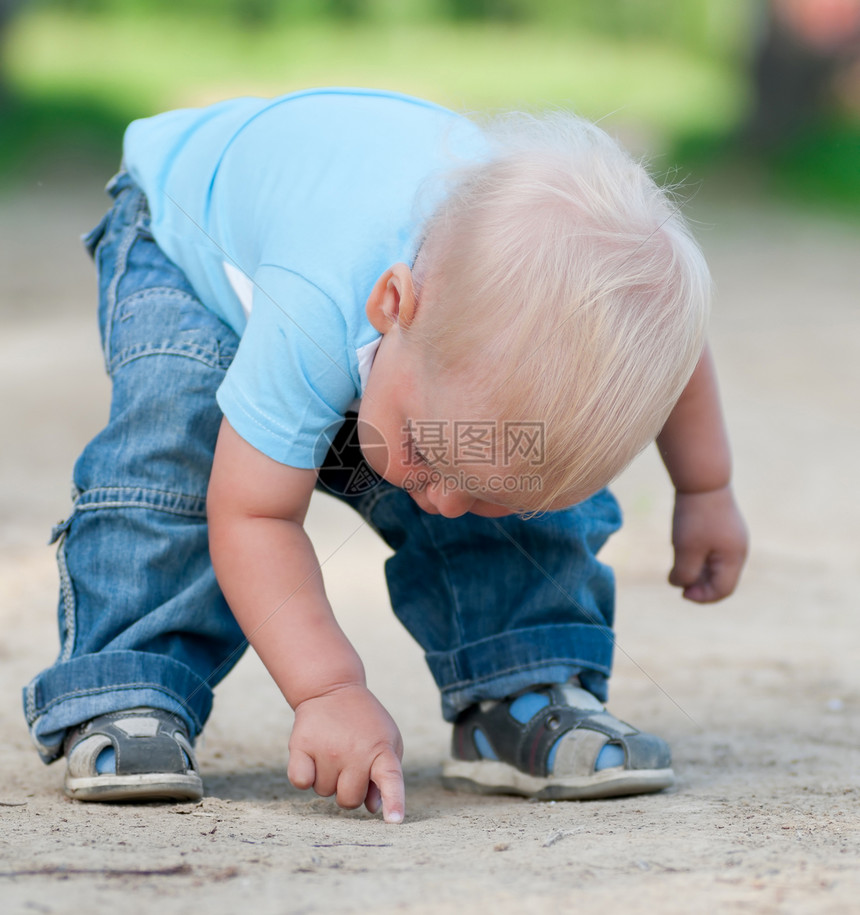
[[491, 777], [152, 787]]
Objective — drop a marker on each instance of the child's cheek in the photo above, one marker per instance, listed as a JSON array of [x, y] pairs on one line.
[[374, 448]]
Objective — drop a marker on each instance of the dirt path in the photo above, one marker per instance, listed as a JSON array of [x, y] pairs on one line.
[[759, 697]]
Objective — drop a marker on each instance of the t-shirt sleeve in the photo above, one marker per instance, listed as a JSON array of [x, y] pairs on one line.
[[292, 379]]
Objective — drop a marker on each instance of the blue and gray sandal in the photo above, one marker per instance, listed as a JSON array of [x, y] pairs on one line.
[[554, 742], [140, 754]]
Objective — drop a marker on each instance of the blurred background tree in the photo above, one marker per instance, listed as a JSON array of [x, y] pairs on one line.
[[806, 54], [805, 111], [702, 81]]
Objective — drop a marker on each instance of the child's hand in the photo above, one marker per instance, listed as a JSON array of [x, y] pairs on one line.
[[345, 743], [710, 541]]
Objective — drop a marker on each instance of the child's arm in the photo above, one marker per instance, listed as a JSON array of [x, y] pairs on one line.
[[343, 741], [708, 533]]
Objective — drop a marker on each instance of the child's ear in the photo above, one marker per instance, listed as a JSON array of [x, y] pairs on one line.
[[392, 300]]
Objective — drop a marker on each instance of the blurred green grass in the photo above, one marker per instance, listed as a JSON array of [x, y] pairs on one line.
[[74, 80], [84, 77]]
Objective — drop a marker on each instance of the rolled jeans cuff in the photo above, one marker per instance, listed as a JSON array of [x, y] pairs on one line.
[[83, 688], [544, 654]]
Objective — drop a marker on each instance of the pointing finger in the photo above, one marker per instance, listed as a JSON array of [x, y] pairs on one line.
[[387, 775]]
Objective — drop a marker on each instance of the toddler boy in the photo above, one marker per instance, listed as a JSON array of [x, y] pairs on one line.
[[512, 313]]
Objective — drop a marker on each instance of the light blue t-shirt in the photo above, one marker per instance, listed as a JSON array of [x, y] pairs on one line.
[[283, 213]]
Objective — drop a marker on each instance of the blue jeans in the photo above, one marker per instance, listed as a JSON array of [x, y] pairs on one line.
[[497, 604]]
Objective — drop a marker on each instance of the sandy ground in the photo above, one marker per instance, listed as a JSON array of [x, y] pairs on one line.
[[759, 696]]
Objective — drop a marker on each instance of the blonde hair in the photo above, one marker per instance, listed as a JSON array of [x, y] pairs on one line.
[[559, 284]]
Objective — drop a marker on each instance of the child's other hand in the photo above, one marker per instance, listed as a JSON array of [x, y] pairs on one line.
[[710, 541], [345, 743]]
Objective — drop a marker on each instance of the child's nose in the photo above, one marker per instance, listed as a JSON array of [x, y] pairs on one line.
[[449, 504]]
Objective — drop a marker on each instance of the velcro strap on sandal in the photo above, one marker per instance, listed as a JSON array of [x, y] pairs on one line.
[[149, 741], [527, 745]]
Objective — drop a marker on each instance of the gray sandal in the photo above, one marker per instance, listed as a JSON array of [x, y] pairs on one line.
[[140, 754], [554, 742]]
